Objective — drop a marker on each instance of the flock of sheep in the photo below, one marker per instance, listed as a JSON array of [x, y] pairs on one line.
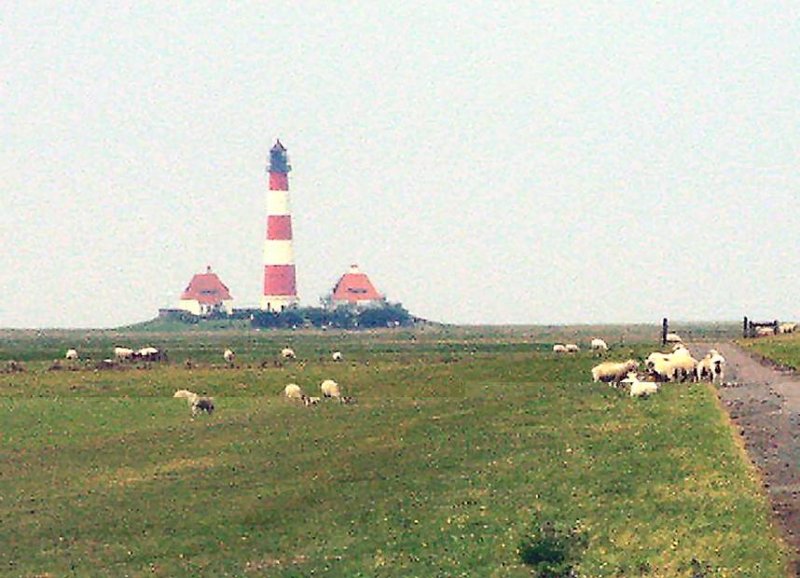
[[677, 366]]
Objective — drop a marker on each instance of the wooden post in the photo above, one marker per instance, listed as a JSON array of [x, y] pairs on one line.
[[664, 330], [744, 328], [775, 327]]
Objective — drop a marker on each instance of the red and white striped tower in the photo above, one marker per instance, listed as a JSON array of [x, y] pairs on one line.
[[280, 287]]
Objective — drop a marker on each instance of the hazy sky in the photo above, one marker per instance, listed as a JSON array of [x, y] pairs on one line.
[[483, 162]]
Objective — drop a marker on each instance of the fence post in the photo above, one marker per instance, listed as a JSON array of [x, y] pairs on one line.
[[744, 328], [664, 330]]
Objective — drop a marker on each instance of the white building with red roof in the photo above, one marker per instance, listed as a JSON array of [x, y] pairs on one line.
[[206, 294], [355, 289]]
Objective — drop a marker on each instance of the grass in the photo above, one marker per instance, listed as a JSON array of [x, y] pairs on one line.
[[782, 349], [460, 438]]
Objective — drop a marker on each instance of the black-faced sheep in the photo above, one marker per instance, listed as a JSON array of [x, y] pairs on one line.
[[71, 355], [288, 353], [559, 348], [572, 348], [336, 355], [711, 367]]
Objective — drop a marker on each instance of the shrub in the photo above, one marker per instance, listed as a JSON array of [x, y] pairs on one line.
[[552, 549]]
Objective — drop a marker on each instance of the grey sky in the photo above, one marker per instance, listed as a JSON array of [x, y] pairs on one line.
[[483, 162]]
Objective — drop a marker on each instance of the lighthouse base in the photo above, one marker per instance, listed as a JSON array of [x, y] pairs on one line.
[[277, 303]]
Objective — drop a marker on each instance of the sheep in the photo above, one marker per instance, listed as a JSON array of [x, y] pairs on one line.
[[71, 355], [572, 348], [711, 366], [149, 354], [330, 388], [673, 338], [197, 403], [613, 372], [229, 356], [639, 388], [309, 401], [787, 327], [347, 400], [336, 355], [287, 353], [676, 366], [293, 391], [559, 348], [598, 345], [123, 353], [764, 331]]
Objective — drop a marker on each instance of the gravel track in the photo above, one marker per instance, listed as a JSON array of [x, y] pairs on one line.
[[763, 401]]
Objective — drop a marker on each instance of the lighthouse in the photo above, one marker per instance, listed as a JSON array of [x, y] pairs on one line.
[[280, 287]]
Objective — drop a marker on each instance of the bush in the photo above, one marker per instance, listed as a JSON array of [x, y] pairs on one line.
[[553, 548]]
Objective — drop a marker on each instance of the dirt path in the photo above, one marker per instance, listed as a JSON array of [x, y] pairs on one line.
[[764, 403]]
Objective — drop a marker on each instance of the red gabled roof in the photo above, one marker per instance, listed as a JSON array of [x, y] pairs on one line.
[[355, 286], [207, 289]]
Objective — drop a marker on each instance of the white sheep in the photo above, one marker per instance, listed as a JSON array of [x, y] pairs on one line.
[[229, 356], [613, 372], [787, 327], [330, 388], [123, 353], [711, 367], [673, 338], [287, 353], [559, 348], [598, 345], [71, 355], [336, 355], [197, 403], [293, 391], [639, 388], [676, 366], [572, 348], [764, 331]]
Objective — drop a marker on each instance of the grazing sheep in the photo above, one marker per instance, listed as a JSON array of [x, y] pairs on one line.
[[336, 355], [639, 388], [673, 338], [598, 345], [197, 403], [572, 348], [787, 327], [330, 388], [293, 391], [764, 331], [71, 355], [149, 354], [229, 356], [347, 400], [14, 366], [613, 372], [123, 353], [559, 348], [711, 367], [288, 353]]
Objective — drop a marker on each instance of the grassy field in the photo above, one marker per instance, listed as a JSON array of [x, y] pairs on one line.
[[782, 349], [459, 440]]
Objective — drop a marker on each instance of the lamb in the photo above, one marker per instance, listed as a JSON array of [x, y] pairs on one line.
[[196, 402], [287, 353], [71, 355], [572, 348], [639, 388], [598, 345], [309, 401], [123, 353], [613, 372], [293, 391], [559, 348], [229, 356], [336, 355], [711, 366], [330, 388]]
